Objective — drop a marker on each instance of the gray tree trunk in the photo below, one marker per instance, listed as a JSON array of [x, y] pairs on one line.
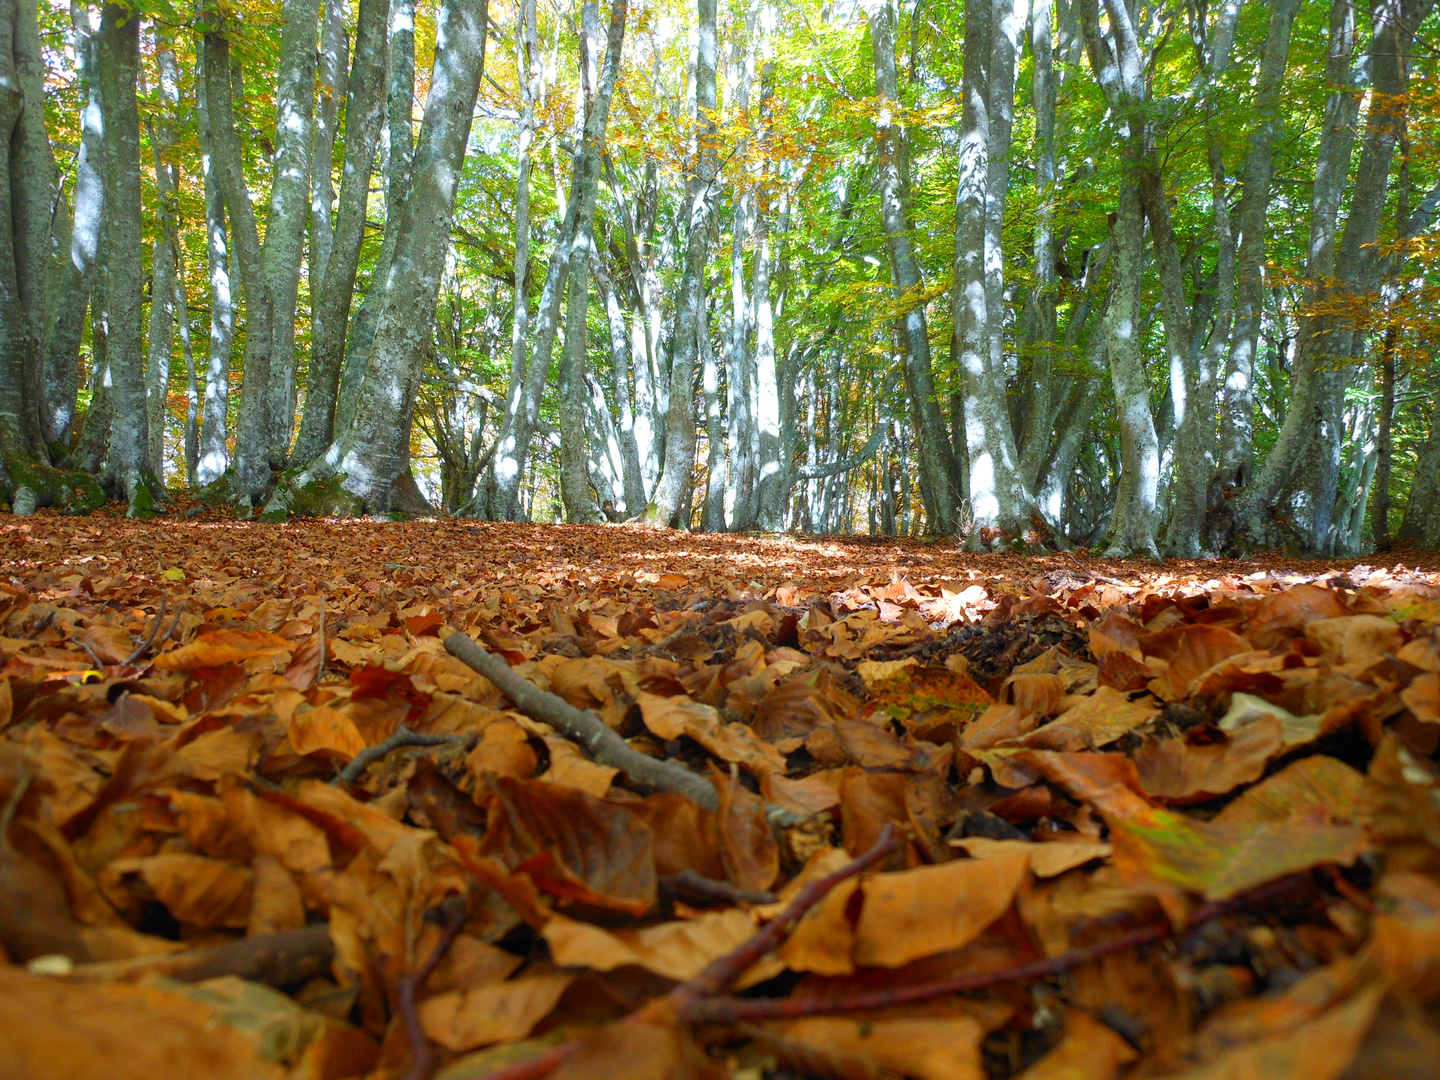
[[397, 151], [712, 509], [938, 467], [1421, 524], [626, 372], [289, 211], [373, 452], [330, 308], [580, 504], [58, 417], [673, 488], [251, 463], [772, 464], [119, 64], [1120, 70], [499, 495], [33, 177], [165, 253], [214, 453], [1035, 435], [332, 76], [1237, 424], [1317, 391], [17, 442]]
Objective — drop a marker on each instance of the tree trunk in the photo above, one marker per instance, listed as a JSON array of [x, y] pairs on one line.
[[59, 418], [331, 74], [937, 462], [17, 442], [289, 211], [673, 488], [1035, 434], [214, 454], [397, 150], [622, 362], [119, 69], [165, 253], [1237, 425], [1421, 524], [251, 464], [330, 307], [712, 510], [32, 194], [499, 496], [371, 455]]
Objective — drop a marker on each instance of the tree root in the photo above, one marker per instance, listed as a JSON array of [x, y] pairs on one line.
[[37, 486]]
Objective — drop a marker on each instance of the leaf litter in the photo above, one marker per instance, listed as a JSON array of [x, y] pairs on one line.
[[722, 806]]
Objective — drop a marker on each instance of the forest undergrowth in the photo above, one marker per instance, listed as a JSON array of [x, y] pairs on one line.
[[342, 799]]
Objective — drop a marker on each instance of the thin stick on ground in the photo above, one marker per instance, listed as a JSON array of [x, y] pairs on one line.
[[284, 958], [731, 1010], [722, 972], [403, 736], [699, 887], [422, 1057], [144, 646], [591, 732]]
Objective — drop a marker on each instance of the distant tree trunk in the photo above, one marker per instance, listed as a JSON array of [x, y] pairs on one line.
[[740, 375], [251, 464], [626, 372], [332, 76], [119, 69], [937, 464], [772, 465], [289, 211], [373, 452], [1315, 390], [527, 61], [674, 487], [1421, 524], [498, 497], [214, 454], [165, 253], [330, 305], [61, 383]]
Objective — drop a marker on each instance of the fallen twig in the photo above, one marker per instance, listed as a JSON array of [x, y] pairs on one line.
[[723, 971], [422, 1058], [154, 629], [731, 1010], [591, 732], [284, 958], [320, 671], [1094, 576], [698, 886], [403, 736]]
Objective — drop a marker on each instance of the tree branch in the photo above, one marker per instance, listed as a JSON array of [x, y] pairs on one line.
[[587, 729]]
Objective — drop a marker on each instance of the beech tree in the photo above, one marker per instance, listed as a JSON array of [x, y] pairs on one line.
[[1150, 278]]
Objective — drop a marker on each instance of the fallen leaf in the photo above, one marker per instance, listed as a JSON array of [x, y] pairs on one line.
[[502, 1012]]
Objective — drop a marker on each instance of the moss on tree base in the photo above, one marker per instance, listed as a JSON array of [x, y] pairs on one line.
[[316, 498]]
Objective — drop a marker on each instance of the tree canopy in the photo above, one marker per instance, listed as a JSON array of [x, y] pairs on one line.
[[1153, 277]]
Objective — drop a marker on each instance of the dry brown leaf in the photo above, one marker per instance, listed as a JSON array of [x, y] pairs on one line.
[[669, 718], [930, 1048], [501, 1012], [933, 909], [1177, 771], [675, 950]]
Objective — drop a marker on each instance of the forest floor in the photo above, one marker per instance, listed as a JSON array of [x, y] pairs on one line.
[[1050, 816]]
